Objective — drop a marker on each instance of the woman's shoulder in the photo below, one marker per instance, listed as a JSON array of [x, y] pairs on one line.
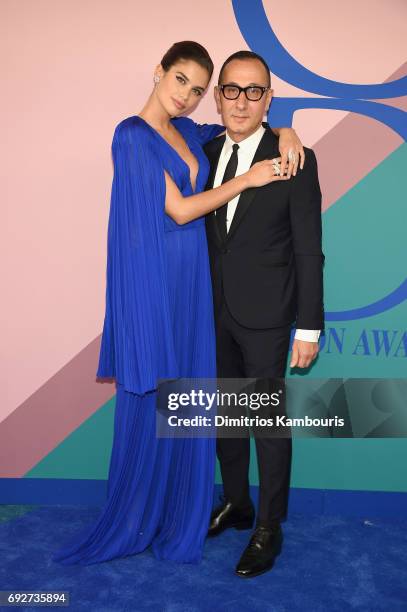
[[186, 126], [202, 132], [133, 126], [185, 122]]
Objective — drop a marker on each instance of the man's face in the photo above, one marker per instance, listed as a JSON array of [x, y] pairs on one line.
[[242, 117]]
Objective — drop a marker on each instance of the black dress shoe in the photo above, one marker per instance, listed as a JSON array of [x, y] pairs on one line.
[[259, 556], [227, 515]]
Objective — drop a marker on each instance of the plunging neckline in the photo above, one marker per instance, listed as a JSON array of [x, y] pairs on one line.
[[176, 152]]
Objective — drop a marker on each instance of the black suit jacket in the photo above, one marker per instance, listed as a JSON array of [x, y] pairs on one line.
[[269, 267]]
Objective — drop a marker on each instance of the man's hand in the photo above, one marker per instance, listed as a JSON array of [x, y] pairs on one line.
[[291, 150], [303, 353]]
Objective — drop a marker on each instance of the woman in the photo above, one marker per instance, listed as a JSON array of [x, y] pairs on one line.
[[159, 317]]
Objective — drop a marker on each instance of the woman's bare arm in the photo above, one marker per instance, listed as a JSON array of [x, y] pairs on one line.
[[185, 209]]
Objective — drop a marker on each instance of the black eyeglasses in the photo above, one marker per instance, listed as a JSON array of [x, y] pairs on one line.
[[252, 92]]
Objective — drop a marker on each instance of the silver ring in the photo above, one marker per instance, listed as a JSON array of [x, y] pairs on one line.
[[291, 156]]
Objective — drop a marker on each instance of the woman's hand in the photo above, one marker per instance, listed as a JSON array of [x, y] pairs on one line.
[[291, 150], [264, 172]]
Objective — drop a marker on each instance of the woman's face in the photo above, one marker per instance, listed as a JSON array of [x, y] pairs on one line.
[[181, 87]]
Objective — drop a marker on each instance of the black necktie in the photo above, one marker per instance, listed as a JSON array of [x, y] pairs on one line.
[[230, 172]]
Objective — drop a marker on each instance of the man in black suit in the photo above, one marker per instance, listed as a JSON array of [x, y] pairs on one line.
[[266, 265]]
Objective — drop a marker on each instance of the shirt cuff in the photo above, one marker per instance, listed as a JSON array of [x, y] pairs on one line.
[[308, 335]]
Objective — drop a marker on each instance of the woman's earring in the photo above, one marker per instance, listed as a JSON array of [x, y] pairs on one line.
[[156, 78]]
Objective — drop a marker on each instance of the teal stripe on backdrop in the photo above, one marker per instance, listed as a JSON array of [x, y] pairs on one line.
[[364, 236], [365, 249], [341, 464], [85, 453]]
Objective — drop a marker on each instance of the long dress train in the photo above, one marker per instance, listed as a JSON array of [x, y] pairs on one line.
[[158, 324]]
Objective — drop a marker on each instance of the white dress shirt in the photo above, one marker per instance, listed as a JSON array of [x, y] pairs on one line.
[[245, 154]]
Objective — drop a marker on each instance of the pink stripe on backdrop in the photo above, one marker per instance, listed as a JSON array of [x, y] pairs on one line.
[[56, 409]]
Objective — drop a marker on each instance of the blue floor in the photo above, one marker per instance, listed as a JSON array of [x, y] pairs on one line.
[[327, 564]]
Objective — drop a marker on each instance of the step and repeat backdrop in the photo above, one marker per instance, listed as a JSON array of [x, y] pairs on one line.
[[73, 71]]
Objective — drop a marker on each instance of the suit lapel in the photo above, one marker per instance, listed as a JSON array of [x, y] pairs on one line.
[[213, 155], [267, 149]]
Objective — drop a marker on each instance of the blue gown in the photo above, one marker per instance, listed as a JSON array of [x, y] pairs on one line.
[[158, 324]]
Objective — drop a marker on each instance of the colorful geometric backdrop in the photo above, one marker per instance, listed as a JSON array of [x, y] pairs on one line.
[[74, 71]]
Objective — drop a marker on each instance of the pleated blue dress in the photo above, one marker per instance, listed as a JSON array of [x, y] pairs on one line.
[[158, 324]]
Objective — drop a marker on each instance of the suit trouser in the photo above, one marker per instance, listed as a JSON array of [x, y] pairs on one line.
[[253, 353]]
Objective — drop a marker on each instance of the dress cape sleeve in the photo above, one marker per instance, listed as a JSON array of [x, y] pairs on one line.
[[203, 132], [208, 131], [137, 344]]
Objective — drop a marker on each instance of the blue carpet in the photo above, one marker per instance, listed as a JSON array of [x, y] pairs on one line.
[[327, 564]]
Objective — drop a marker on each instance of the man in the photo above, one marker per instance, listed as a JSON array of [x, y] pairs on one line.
[[266, 266]]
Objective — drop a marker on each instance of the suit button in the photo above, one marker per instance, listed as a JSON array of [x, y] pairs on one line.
[[225, 251]]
